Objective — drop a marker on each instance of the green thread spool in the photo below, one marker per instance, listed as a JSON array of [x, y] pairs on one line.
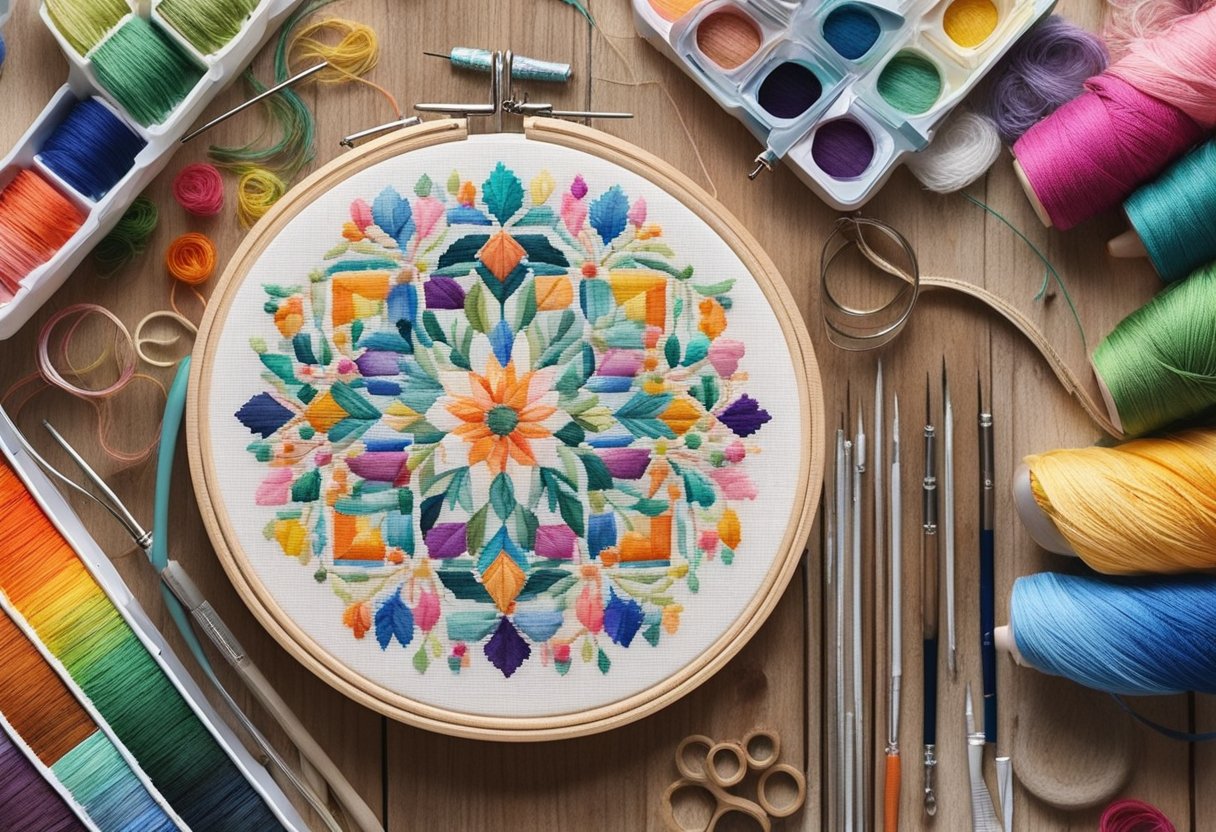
[[128, 239], [144, 71], [1159, 363], [910, 83], [207, 24], [83, 23], [1175, 214]]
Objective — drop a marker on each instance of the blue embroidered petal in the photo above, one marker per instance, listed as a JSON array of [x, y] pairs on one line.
[[391, 212], [394, 620], [608, 214], [502, 339], [622, 618], [467, 215], [263, 414], [403, 302], [601, 532], [539, 625], [506, 650], [744, 416]]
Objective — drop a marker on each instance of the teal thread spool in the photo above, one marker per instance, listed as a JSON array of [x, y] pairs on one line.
[[207, 24], [523, 68], [910, 83], [147, 75], [1175, 214], [1159, 363]]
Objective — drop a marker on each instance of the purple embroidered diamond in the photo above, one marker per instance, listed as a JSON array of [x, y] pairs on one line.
[[506, 650]]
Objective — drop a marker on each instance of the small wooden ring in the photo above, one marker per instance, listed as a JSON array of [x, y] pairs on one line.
[[785, 809], [763, 748], [667, 812], [690, 763], [733, 766]]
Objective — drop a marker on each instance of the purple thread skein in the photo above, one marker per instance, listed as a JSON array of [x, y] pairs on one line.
[[1045, 69]]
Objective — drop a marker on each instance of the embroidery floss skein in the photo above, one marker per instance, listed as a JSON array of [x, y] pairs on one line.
[[1148, 505], [1146, 110], [35, 221], [27, 800], [1158, 365], [83, 23], [49, 586], [1128, 21], [963, 150], [128, 239], [191, 258], [207, 24], [199, 189], [1133, 636], [91, 149], [1134, 816], [257, 191], [1046, 68], [145, 72]]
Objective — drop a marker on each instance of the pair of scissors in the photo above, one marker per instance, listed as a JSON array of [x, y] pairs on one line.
[[709, 768]]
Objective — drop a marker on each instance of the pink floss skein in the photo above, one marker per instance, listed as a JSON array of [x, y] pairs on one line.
[[1146, 110], [199, 189], [1133, 816]]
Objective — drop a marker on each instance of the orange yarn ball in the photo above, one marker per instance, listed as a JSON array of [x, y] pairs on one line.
[[191, 258]]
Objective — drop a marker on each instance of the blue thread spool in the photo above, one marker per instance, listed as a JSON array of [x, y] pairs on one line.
[[851, 31], [523, 68], [91, 149]]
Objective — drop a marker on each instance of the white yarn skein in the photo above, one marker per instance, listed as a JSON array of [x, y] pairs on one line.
[[961, 152]]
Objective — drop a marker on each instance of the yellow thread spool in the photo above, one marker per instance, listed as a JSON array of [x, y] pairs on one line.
[[970, 22]]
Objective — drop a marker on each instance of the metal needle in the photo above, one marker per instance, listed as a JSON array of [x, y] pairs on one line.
[[292, 81]]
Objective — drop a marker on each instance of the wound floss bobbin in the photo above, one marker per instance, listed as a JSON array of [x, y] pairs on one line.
[[502, 431]]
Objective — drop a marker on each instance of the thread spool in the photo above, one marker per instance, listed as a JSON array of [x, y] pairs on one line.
[[145, 72], [1146, 506], [1128, 21], [83, 23], [35, 221], [199, 189], [1046, 68], [1146, 110], [523, 68], [190, 258], [207, 24], [1158, 365], [91, 149], [1132, 636], [26, 796]]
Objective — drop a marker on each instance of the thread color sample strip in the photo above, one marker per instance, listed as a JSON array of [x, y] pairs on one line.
[[49, 585], [27, 800], [47, 716]]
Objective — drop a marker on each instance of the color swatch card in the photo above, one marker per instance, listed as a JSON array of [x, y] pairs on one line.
[[839, 90]]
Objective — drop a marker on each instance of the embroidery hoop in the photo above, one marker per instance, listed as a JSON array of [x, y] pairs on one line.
[[262, 602]]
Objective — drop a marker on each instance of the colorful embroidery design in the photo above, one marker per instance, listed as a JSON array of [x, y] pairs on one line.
[[503, 421]]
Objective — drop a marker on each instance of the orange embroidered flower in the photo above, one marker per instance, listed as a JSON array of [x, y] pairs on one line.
[[358, 617], [502, 415], [713, 318]]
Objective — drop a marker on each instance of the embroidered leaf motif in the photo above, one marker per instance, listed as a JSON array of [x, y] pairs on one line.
[[562, 496], [698, 489], [571, 434], [263, 415], [503, 579], [475, 309], [505, 649], [595, 298], [475, 530], [501, 254], [640, 415], [608, 214], [671, 351], [429, 514], [464, 585], [602, 661], [281, 365], [651, 508], [744, 416], [392, 214], [453, 183], [354, 404], [539, 625], [598, 477], [540, 250], [502, 496], [423, 186], [421, 660], [714, 289], [503, 193], [539, 581], [471, 625], [502, 339], [526, 309], [462, 252], [394, 620]]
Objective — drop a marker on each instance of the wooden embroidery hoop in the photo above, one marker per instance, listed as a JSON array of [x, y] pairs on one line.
[[579, 723]]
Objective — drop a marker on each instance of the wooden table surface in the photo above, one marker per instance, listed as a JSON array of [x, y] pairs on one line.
[[418, 780]]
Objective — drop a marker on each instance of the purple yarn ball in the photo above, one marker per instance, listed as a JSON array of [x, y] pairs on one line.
[[1046, 68]]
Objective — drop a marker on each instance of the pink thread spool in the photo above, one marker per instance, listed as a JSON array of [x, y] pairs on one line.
[[1133, 120], [1134, 816], [199, 189]]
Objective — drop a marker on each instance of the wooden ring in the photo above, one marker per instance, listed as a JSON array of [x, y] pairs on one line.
[[784, 809], [691, 756], [726, 764], [763, 748]]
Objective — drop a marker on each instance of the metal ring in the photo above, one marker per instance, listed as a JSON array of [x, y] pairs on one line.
[[857, 329]]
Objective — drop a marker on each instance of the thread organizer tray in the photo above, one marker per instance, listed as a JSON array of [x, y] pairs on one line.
[[216, 70], [841, 90]]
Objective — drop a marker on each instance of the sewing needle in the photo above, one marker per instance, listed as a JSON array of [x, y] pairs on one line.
[[292, 81], [847, 523], [929, 603], [859, 468], [894, 774], [841, 536], [987, 566], [948, 519]]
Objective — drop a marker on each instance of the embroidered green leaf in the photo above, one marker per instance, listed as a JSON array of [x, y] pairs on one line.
[[571, 434], [598, 477], [652, 633], [574, 376], [697, 488], [280, 291], [588, 652], [503, 193], [541, 251], [421, 660], [475, 309], [464, 585], [454, 183], [651, 508], [719, 288], [423, 186], [307, 488], [475, 529], [602, 661], [562, 336], [705, 391], [463, 251], [595, 298], [459, 492], [563, 496], [677, 309], [281, 365], [502, 496], [429, 514], [526, 525], [654, 247], [640, 414], [354, 404], [302, 344], [525, 311], [471, 625], [336, 251], [698, 348], [671, 350], [348, 429], [540, 581], [663, 266], [430, 323], [596, 419]]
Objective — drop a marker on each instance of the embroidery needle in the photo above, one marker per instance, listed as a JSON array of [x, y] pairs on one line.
[[987, 565], [895, 581], [929, 602], [841, 536], [829, 596], [859, 714], [948, 519], [847, 522], [983, 813], [292, 81]]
